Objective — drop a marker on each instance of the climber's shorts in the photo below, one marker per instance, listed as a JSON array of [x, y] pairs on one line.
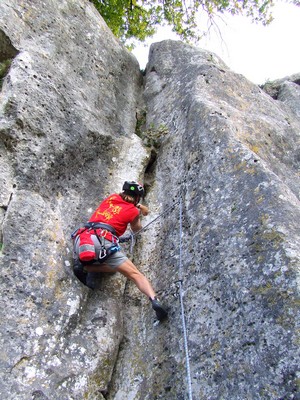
[[116, 259], [113, 261]]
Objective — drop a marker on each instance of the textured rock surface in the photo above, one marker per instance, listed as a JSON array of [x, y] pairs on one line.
[[286, 90], [231, 152], [68, 106]]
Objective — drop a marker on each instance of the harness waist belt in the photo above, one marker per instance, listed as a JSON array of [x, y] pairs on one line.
[[101, 225]]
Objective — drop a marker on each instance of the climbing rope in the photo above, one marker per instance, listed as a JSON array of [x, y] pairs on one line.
[[180, 285], [133, 235], [160, 215], [181, 294]]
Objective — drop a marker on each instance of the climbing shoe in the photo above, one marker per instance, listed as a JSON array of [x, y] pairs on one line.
[[79, 272], [161, 312]]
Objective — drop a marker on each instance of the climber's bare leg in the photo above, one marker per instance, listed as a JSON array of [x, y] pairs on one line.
[[130, 271]]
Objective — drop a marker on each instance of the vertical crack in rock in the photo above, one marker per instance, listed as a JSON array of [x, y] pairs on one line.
[[3, 210], [145, 364], [7, 54]]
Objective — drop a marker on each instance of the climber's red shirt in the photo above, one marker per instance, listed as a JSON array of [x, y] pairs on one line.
[[116, 212]]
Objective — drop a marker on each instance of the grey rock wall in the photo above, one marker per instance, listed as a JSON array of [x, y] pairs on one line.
[[70, 96], [68, 113], [232, 155], [286, 90]]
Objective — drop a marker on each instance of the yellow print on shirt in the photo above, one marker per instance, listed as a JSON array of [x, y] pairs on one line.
[[111, 211]]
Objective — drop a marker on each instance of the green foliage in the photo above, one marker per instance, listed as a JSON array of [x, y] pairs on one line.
[[152, 136], [138, 19]]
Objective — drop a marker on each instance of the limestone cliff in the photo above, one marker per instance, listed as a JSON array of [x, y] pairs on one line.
[[77, 119], [68, 106]]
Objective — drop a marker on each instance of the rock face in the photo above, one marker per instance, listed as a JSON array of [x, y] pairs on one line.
[[232, 155], [286, 90], [241, 180], [68, 106], [220, 159]]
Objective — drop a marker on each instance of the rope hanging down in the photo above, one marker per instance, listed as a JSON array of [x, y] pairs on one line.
[[132, 235], [180, 283], [160, 215]]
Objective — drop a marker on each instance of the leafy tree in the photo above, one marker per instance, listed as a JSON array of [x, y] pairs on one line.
[[138, 19]]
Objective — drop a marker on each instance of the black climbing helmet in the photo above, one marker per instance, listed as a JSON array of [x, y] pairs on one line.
[[133, 189]]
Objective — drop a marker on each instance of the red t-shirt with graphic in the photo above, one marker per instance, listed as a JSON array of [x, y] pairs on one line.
[[116, 212]]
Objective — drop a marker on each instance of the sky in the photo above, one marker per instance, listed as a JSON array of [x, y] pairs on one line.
[[259, 53]]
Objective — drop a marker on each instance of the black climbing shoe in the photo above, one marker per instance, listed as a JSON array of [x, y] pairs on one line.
[[161, 313], [79, 272], [91, 280]]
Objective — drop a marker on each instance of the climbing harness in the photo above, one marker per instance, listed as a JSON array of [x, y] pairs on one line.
[[86, 247]]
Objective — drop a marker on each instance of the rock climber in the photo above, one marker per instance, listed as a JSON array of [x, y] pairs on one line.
[[99, 240]]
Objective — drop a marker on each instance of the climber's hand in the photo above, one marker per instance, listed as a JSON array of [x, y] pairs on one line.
[[144, 209]]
